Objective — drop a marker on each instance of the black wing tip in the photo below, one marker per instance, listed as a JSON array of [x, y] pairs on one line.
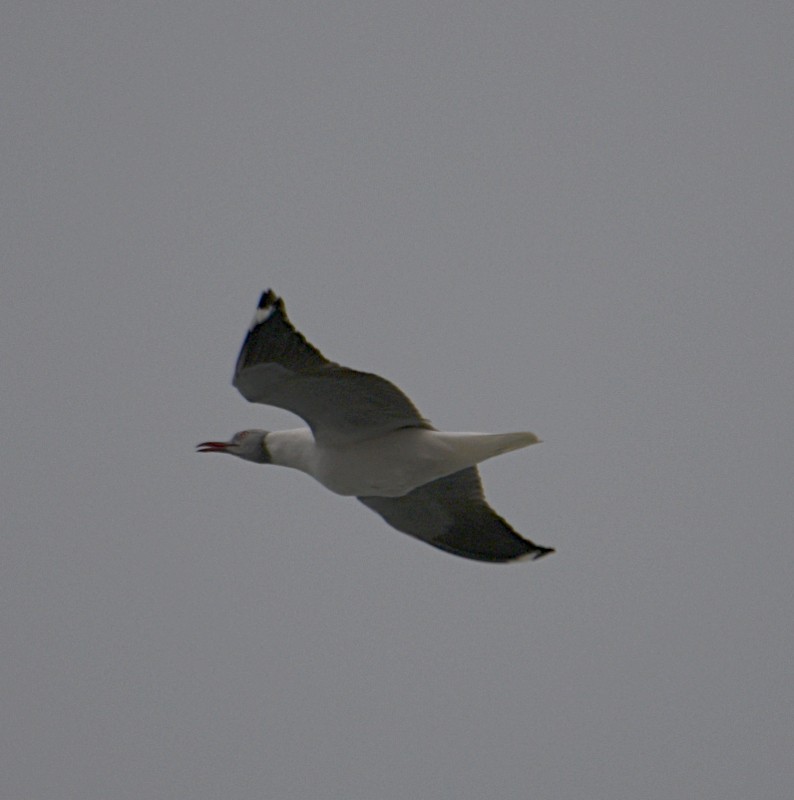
[[521, 550], [533, 553], [268, 298], [269, 304], [540, 552]]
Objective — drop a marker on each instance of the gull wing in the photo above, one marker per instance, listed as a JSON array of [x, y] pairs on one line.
[[451, 513], [278, 367]]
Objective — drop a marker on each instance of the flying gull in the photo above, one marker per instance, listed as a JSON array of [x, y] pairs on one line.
[[367, 439]]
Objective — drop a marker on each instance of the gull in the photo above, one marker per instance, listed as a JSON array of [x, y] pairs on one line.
[[367, 439]]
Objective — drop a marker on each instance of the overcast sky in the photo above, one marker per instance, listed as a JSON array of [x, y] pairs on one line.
[[575, 218]]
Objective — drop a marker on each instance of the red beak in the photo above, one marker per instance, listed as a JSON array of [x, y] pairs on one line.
[[212, 447]]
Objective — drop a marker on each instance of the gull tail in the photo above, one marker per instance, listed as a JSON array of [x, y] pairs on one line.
[[472, 448], [506, 442]]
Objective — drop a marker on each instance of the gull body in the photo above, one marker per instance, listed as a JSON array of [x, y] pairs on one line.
[[367, 439], [390, 465]]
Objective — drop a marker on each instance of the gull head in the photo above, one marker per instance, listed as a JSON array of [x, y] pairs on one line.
[[249, 445]]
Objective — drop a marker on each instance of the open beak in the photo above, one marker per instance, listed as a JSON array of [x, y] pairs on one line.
[[213, 447]]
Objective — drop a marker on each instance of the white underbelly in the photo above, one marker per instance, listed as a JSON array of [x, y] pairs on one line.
[[387, 467]]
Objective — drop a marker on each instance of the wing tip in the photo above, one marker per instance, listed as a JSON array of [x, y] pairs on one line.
[[536, 552], [269, 303], [268, 298]]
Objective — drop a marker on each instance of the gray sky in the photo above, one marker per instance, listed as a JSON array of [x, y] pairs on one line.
[[573, 218]]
